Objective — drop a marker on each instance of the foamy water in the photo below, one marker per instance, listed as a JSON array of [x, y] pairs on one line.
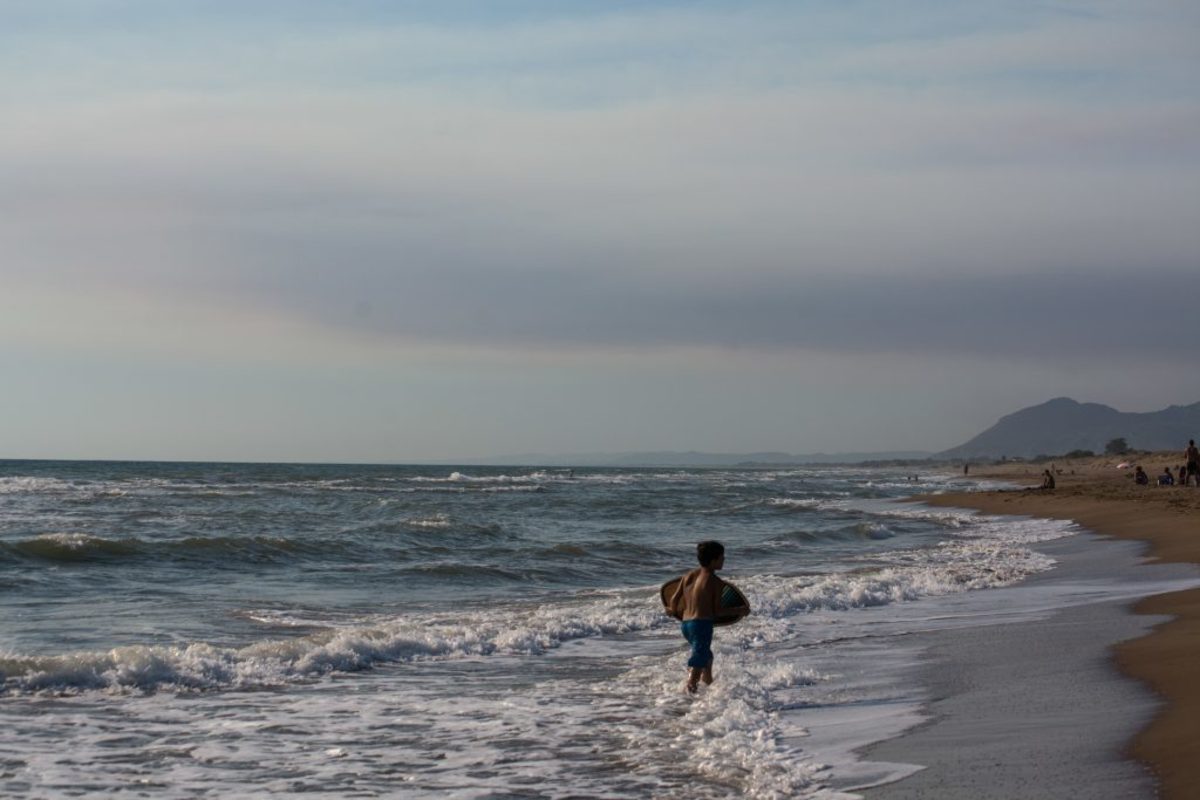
[[235, 630]]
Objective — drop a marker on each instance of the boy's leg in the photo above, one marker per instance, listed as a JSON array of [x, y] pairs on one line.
[[693, 679], [699, 635]]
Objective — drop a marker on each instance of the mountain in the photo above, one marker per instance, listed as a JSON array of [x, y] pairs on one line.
[[691, 458], [695, 459], [1062, 425]]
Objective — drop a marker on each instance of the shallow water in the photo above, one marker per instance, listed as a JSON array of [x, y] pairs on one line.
[[190, 630]]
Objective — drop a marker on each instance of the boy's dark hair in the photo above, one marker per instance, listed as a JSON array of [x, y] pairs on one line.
[[708, 552]]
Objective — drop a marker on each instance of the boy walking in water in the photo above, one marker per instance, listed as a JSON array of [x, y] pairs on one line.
[[696, 602]]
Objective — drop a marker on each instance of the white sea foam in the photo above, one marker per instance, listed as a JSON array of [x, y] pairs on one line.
[[732, 732], [994, 556], [277, 618], [875, 530], [462, 477], [800, 503], [20, 484], [436, 521], [511, 489], [96, 489], [68, 540], [622, 737]]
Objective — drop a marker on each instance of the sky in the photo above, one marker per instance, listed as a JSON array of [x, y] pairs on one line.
[[388, 231]]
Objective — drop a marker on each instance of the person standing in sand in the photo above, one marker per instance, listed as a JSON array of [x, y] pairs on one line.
[[1192, 457], [1048, 480], [696, 602]]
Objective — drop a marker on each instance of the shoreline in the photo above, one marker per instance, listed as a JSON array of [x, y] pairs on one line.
[[1097, 496], [1020, 698]]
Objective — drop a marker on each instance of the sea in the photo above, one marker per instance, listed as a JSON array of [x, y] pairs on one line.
[[187, 630]]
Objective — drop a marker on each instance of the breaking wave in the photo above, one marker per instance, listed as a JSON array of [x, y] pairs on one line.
[[72, 547], [996, 556]]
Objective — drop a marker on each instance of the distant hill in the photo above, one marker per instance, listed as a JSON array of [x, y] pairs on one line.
[[695, 459], [1062, 425], [692, 458]]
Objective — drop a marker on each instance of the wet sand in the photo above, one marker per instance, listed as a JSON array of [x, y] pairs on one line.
[[1104, 499]]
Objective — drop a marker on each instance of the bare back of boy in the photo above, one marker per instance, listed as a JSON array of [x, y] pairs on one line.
[[698, 595]]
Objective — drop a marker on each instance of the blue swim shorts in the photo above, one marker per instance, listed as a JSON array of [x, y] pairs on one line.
[[699, 634]]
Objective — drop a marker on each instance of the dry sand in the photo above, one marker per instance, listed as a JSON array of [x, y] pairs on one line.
[[1104, 499]]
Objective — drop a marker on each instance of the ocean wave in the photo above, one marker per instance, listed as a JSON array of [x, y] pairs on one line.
[[885, 512], [61, 491], [996, 556], [517, 631], [966, 523], [456, 488], [86, 490], [512, 489], [427, 530], [434, 521], [462, 477], [70, 547], [944, 519], [26, 484], [859, 530], [949, 568], [873, 530], [795, 503], [191, 488], [275, 618]]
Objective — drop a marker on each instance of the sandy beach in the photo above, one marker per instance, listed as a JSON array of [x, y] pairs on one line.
[[1104, 499]]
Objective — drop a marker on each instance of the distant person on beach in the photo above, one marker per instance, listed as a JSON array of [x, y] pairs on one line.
[[1166, 479], [1140, 477], [1192, 457], [966, 469], [696, 602], [1047, 480]]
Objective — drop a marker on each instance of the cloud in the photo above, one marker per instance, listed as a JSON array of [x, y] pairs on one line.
[[1038, 316], [744, 180]]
